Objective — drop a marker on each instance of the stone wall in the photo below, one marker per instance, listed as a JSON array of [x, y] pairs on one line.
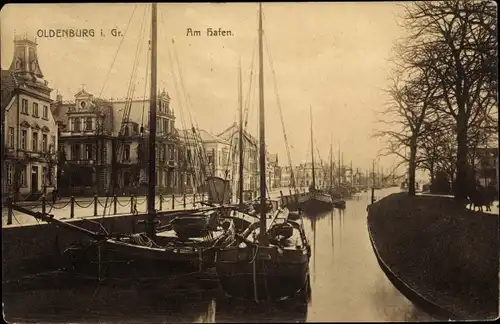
[[31, 249]]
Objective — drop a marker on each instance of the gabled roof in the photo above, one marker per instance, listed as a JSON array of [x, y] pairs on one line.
[[210, 138], [83, 93], [234, 128], [205, 136]]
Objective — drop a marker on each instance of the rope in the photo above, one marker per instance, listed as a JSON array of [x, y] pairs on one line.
[[116, 53], [120, 204], [100, 203], [53, 205], [140, 203], [91, 202]]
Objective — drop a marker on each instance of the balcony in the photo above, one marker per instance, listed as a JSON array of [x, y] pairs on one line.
[[82, 162], [10, 152]]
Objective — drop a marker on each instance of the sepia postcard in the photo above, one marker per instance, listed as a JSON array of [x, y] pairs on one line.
[[250, 162]]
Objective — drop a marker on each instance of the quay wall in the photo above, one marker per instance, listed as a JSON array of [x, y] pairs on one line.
[[31, 249]]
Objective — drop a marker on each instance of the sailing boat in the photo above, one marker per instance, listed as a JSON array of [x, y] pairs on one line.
[[265, 262], [337, 200], [158, 249], [317, 200]]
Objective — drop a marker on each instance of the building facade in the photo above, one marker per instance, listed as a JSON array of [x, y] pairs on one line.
[[304, 174], [218, 155], [487, 165], [250, 156], [286, 176], [106, 152], [86, 144], [30, 138]]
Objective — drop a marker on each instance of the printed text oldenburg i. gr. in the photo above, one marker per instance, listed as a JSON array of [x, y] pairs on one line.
[[75, 32]]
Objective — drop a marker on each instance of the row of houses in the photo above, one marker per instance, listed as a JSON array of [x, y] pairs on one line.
[[72, 144]]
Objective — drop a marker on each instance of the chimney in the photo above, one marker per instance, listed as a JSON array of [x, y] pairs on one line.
[[59, 98]]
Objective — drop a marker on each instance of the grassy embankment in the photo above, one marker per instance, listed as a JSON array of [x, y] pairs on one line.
[[444, 252]]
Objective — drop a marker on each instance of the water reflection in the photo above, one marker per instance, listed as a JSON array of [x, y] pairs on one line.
[[169, 301], [347, 284], [232, 311], [345, 272]]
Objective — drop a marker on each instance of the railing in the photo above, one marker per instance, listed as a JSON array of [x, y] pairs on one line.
[[105, 207]]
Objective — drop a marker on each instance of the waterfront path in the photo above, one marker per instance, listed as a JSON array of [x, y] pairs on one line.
[[84, 207], [446, 254]]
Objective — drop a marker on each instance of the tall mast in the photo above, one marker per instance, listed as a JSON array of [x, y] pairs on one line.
[[339, 166], [240, 108], [343, 169], [331, 164], [150, 228], [352, 175], [312, 150], [262, 156]]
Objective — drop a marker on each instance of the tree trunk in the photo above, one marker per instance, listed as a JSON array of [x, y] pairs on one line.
[[412, 166], [461, 169]]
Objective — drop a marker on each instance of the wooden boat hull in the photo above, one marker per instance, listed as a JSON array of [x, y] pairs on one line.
[[294, 215], [191, 226], [316, 203], [117, 259], [340, 204], [262, 273]]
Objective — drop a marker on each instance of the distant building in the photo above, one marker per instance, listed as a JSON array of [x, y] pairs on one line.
[[250, 155], [276, 170], [487, 165], [305, 175], [214, 156], [286, 176], [30, 138]]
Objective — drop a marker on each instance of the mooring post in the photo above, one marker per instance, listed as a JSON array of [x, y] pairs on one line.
[[10, 212], [194, 199], [161, 201], [44, 205], [115, 203], [373, 195], [95, 205], [173, 201], [72, 207], [202, 196], [132, 200], [184, 200]]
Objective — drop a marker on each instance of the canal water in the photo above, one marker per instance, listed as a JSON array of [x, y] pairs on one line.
[[347, 284]]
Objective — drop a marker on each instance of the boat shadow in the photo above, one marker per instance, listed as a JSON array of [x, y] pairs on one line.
[[173, 299], [231, 310]]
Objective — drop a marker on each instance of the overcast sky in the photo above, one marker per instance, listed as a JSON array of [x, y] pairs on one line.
[[332, 57]]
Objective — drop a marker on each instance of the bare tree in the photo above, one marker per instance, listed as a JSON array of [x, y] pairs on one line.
[[460, 35], [413, 95]]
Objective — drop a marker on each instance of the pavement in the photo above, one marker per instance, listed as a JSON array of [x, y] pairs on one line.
[[86, 207]]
